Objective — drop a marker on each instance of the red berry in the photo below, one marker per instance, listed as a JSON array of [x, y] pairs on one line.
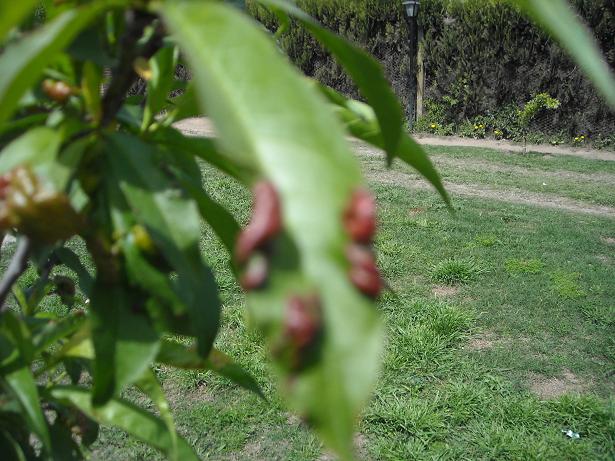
[[256, 272], [266, 221], [360, 216], [361, 256], [366, 280], [302, 323]]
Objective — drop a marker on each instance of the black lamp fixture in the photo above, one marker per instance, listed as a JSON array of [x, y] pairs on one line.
[[411, 7]]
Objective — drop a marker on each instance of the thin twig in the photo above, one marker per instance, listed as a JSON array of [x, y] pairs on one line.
[[16, 268], [124, 75]]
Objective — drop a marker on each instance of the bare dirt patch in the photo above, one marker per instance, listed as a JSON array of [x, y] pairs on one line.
[[516, 196], [482, 342], [552, 388], [609, 240], [444, 291]]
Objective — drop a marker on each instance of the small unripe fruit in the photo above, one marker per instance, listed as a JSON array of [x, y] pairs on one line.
[[265, 224], [255, 274], [360, 216], [143, 240], [57, 90]]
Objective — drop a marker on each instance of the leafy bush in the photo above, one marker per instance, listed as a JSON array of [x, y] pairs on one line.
[[479, 55]]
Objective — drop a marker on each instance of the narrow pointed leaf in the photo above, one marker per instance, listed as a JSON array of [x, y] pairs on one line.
[[126, 416], [149, 385], [21, 384], [179, 356], [361, 122]]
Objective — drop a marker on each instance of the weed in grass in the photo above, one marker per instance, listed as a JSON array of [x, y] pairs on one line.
[[487, 240], [523, 266], [566, 284], [456, 271]]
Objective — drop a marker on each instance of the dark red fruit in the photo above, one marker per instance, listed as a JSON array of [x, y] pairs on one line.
[[361, 256], [299, 346], [266, 221], [302, 323], [366, 280], [360, 216], [255, 274]]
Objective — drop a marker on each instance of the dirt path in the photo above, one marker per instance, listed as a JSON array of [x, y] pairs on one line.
[[202, 127], [515, 196], [506, 146]]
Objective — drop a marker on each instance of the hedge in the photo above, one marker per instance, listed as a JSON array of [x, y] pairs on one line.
[[481, 57]]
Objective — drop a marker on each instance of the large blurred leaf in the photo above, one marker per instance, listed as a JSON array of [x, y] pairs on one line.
[[179, 356], [128, 417], [23, 62], [70, 259], [361, 122], [20, 383], [557, 17], [174, 224], [125, 343], [365, 71], [270, 119], [35, 147], [12, 13]]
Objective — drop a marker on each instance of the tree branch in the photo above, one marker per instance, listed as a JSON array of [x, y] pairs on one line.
[[124, 74], [16, 268]]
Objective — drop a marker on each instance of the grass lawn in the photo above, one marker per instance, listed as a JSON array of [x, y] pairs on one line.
[[501, 328]]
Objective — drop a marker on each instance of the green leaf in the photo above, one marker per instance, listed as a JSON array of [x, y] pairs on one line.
[[90, 87], [366, 72], [162, 66], [174, 224], [36, 147], [143, 274], [125, 343], [221, 221], [179, 356], [126, 416], [271, 120], [23, 62], [12, 13], [206, 150], [186, 106], [70, 259], [149, 385], [9, 446], [361, 122], [557, 17], [20, 383]]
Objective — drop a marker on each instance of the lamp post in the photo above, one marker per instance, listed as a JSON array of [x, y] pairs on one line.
[[411, 10]]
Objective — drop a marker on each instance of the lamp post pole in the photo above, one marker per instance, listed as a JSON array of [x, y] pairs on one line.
[[411, 10]]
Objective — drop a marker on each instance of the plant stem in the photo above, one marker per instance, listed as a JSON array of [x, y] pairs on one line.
[[16, 268]]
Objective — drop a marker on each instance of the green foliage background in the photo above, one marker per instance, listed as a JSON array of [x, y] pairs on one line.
[[480, 56]]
